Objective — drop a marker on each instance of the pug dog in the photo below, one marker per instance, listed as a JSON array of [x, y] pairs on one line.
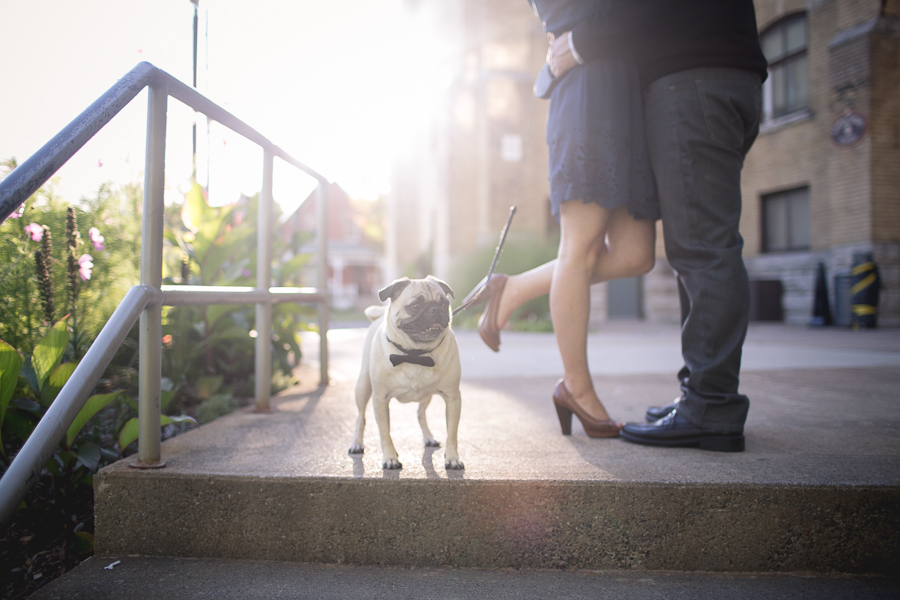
[[410, 354]]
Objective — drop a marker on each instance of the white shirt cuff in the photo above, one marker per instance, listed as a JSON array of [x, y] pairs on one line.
[[574, 52]]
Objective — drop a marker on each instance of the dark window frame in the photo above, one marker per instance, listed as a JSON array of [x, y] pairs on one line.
[[780, 27], [766, 202]]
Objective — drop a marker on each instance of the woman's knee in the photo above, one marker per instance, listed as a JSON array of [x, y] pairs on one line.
[[644, 262], [583, 230], [633, 244]]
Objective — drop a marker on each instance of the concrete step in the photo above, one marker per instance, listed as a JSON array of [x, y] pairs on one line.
[[817, 490], [167, 578]]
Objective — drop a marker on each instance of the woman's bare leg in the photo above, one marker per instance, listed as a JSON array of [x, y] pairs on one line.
[[582, 243], [629, 251]]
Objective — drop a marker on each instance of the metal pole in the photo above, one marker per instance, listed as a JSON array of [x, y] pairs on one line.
[[150, 347], [322, 284], [44, 440], [263, 282], [194, 172]]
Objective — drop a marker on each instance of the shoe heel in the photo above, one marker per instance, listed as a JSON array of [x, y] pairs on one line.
[[565, 418], [723, 444]]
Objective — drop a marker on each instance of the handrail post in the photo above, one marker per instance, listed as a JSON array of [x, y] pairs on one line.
[[322, 284], [263, 282], [150, 345]]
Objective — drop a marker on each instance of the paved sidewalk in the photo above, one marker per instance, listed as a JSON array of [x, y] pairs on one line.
[[825, 409], [815, 490], [184, 579]]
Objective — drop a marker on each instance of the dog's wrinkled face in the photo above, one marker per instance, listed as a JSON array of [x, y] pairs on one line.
[[419, 307]]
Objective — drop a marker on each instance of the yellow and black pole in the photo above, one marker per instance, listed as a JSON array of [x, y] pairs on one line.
[[865, 291]]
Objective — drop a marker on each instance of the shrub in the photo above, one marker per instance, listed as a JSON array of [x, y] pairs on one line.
[[521, 252]]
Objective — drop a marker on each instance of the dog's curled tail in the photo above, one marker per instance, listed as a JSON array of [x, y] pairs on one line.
[[373, 312]]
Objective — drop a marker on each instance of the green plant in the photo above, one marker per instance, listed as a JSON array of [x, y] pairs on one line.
[[217, 246], [521, 252], [30, 303], [42, 350]]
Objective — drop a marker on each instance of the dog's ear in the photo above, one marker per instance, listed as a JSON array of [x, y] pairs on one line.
[[394, 289], [447, 289]]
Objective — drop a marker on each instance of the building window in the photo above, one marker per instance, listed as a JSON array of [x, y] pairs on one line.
[[787, 88], [786, 221]]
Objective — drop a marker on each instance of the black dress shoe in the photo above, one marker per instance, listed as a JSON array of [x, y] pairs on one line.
[[655, 413], [674, 430]]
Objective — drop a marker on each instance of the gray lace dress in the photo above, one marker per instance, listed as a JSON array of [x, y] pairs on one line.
[[595, 126]]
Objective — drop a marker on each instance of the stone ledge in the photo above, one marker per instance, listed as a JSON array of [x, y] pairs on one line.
[[502, 524]]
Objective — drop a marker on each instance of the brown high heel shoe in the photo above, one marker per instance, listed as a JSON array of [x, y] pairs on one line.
[[565, 405], [487, 325]]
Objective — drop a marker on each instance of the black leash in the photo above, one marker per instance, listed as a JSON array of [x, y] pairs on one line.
[[475, 294]]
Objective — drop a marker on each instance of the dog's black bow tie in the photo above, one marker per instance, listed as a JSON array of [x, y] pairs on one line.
[[425, 361], [412, 356]]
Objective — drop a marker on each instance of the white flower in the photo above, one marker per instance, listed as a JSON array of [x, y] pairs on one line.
[[96, 238], [85, 265]]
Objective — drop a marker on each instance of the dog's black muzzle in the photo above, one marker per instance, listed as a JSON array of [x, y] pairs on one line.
[[428, 324]]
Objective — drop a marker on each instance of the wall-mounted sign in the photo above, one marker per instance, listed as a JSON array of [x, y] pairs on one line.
[[848, 129]]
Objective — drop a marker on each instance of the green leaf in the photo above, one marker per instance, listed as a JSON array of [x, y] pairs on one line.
[[10, 365], [93, 405], [207, 386], [167, 420], [55, 382], [53, 465], [19, 422], [214, 312], [232, 332], [205, 220], [165, 398], [84, 542], [48, 352], [294, 266], [168, 391], [28, 405], [129, 432], [66, 458], [28, 376], [89, 455]]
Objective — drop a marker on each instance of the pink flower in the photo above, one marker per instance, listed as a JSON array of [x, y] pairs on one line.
[[35, 231], [17, 214], [96, 238], [85, 264]]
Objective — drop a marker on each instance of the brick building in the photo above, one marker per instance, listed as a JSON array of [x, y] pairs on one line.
[[355, 258], [821, 183], [484, 148]]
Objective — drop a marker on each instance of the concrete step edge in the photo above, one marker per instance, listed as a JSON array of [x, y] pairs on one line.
[[598, 525]]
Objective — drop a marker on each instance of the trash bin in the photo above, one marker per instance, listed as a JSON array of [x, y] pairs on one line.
[[843, 314]]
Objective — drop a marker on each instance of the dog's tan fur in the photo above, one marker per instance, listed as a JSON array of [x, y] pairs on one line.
[[382, 381]]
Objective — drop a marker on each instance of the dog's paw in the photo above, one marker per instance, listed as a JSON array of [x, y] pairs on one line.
[[391, 464], [432, 443], [454, 465], [357, 449]]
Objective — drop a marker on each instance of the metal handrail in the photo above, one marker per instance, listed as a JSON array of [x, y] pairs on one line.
[[145, 301]]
